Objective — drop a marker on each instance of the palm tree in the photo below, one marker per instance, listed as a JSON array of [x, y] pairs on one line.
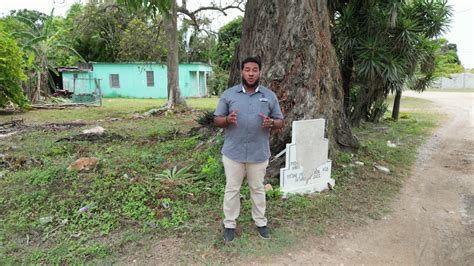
[[422, 21], [384, 46]]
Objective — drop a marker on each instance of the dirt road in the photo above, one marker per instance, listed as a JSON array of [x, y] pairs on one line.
[[432, 222]]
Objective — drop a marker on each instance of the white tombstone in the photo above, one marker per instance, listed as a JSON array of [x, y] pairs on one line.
[[307, 167]]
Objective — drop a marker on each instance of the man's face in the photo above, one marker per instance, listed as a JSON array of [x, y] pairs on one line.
[[250, 75]]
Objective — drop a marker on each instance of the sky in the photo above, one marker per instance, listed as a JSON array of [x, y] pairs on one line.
[[461, 31]]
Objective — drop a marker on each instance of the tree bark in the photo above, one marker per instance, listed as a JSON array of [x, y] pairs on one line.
[[37, 91], [346, 70], [396, 105], [174, 95], [298, 63]]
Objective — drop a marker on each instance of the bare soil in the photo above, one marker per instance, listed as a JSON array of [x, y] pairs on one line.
[[432, 220]]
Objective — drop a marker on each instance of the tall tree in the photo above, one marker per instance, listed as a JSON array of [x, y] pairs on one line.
[[384, 46], [293, 40], [170, 9]]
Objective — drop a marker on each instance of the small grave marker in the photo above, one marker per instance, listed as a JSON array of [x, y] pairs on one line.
[[307, 167]]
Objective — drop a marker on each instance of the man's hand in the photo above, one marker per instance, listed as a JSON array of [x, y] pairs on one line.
[[267, 122], [232, 118]]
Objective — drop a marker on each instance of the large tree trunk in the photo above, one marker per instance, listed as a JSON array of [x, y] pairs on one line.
[[298, 63], [37, 92], [396, 105], [174, 95], [346, 70]]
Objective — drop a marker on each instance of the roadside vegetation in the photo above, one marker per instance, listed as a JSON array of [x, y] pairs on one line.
[[159, 184]]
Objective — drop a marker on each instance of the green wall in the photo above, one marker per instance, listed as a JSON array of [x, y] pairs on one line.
[[80, 82], [133, 80]]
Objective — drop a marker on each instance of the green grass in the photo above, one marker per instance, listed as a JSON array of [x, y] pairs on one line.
[[111, 108], [130, 207]]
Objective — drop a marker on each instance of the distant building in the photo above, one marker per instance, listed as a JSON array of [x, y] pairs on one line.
[[134, 80]]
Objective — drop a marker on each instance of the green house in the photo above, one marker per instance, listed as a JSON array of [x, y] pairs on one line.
[[134, 80]]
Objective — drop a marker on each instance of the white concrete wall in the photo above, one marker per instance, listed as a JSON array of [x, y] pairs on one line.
[[456, 81]]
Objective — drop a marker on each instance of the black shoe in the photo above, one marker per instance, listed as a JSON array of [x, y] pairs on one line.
[[229, 234], [263, 232]]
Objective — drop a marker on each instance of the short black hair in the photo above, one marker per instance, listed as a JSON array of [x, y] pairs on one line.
[[254, 59]]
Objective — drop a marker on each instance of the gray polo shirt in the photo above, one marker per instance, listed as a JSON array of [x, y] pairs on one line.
[[248, 142]]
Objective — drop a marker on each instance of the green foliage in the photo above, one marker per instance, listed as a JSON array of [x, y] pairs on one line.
[[275, 193], [45, 45], [172, 213], [228, 38], [135, 203], [11, 72], [218, 80], [97, 37], [174, 173], [213, 169], [447, 60], [150, 7], [385, 46], [377, 110], [196, 43], [344, 158], [141, 42], [206, 119]]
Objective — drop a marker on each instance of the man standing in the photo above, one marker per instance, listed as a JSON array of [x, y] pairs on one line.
[[248, 112]]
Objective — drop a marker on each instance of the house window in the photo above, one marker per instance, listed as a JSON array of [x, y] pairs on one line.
[[114, 81], [150, 79]]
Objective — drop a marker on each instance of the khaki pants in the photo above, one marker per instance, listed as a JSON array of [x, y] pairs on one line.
[[235, 172]]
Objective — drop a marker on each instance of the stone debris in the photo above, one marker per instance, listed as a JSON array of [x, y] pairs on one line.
[[84, 164], [382, 169], [137, 116], [45, 220], [95, 130], [86, 208], [391, 144], [2, 136]]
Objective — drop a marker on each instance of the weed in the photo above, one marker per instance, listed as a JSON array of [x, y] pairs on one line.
[[275, 193], [319, 230], [213, 169], [344, 158], [175, 174]]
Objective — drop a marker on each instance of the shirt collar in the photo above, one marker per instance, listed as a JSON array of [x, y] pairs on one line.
[[242, 89]]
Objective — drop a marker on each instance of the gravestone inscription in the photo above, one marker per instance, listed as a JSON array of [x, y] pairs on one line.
[[307, 167]]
